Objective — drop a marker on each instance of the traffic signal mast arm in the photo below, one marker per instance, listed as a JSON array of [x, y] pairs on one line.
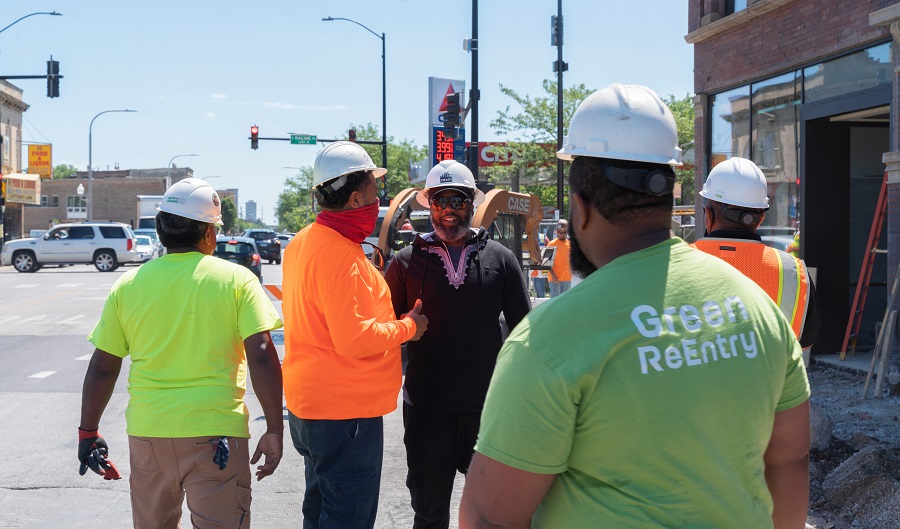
[[52, 77]]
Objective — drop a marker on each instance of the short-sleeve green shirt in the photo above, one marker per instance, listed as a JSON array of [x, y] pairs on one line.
[[182, 319], [650, 389]]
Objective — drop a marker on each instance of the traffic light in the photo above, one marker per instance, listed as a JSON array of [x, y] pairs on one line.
[[451, 115], [52, 78], [254, 137], [556, 30]]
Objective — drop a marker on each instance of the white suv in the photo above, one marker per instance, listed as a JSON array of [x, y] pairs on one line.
[[106, 245]]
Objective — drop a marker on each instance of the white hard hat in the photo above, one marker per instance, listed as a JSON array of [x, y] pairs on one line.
[[450, 174], [623, 122], [342, 158], [194, 199], [738, 182]]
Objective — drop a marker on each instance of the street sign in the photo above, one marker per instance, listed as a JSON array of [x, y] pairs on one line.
[[303, 139]]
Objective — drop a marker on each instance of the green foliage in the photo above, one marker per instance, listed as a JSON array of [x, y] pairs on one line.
[[532, 139], [295, 207], [683, 110], [229, 214], [400, 155], [64, 171]]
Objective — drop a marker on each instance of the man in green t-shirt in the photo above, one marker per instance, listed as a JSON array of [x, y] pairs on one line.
[[664, 390], [186, 320]]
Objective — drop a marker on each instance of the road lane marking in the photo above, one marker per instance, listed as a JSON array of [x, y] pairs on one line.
[[73, 319], [40, 318], [42, 374], [94, 299], [7, 319], [26, 285], [69, 285], [85, 357]]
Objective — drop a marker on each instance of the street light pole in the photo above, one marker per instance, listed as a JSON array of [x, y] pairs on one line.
[[90, 210], [172, 160], [54, 13], [383, 86]]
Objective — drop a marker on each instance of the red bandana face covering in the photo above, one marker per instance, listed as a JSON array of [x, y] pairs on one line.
[[354, 224]]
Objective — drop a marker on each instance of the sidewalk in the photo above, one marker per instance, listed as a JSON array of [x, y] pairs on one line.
[[858, 363]]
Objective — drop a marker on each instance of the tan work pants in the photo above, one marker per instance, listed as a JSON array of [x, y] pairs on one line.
[[164, 469]]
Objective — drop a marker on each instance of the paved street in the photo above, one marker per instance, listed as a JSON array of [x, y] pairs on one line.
[[44, 320]]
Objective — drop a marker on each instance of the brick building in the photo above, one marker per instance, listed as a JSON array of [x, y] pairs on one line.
[[115, 196], [805, 89]]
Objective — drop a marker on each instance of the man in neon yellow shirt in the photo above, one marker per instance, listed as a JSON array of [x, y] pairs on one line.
[[645, 397], [185, 320]]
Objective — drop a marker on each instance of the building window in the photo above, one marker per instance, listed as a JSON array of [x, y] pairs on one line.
[[733, 6], [54, 201], [730, 125], [76, 207], [44, 202], [869, 68]]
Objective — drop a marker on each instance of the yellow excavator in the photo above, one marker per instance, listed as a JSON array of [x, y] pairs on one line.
[[510, 218]]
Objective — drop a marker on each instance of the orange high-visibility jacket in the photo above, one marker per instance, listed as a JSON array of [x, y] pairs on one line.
[[780, 274]]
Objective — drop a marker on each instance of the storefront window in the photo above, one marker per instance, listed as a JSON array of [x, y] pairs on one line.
[[858, 71], [730, 125], [776, 105]]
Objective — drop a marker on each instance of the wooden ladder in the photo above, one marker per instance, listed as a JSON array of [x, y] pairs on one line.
[[865, 272]]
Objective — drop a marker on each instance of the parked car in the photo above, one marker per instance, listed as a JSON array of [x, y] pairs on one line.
[[151, 232], [145, 248], [240, 250], [267, 243], [285, 238], [106, 245]]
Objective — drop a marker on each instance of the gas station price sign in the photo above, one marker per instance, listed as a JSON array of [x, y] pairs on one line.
[[447, 148]]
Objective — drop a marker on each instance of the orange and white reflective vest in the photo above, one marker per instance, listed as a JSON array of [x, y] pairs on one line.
[[780, 274]]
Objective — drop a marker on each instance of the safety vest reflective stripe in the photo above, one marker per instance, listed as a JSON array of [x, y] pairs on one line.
[[788, 285]]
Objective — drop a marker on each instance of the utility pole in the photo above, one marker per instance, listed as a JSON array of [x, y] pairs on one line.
[[474, 96], [556, 39]]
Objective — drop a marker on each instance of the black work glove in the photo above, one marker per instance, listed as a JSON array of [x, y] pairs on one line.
[[222, 451], [93, 452]]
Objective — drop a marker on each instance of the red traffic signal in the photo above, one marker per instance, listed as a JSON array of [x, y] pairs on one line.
[[254, 137]]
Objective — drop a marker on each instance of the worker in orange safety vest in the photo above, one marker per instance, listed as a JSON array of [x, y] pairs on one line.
[[736, 204]]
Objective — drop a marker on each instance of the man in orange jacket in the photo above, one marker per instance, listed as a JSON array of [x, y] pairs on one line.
[[736, 204], [342, 344]]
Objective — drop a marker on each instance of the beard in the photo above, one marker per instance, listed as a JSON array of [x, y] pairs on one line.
[[454, 233], [578, 262]]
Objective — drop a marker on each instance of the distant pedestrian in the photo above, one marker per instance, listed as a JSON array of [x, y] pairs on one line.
[[561, 274], [342, 344], [192, 325], [465, 281]]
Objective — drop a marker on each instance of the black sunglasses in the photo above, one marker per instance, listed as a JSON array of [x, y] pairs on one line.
[[441, 203]]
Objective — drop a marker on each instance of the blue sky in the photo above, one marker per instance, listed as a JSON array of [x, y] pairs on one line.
[[200, 73]]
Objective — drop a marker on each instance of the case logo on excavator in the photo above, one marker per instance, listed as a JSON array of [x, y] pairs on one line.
[[520, 204]]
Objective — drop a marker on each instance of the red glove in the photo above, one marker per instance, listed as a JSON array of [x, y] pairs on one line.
[[92, 453]]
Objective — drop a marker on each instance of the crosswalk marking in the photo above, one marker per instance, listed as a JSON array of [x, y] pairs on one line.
[[94, 299], [85, 357], [42, 374], [40, 318], [26, 285], [73, 319], [69, 285]]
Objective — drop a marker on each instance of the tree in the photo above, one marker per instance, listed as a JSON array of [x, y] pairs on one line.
[[64, 171], [683, 110], [532, 137], [400, 156], [295, 207], [229, 214]]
